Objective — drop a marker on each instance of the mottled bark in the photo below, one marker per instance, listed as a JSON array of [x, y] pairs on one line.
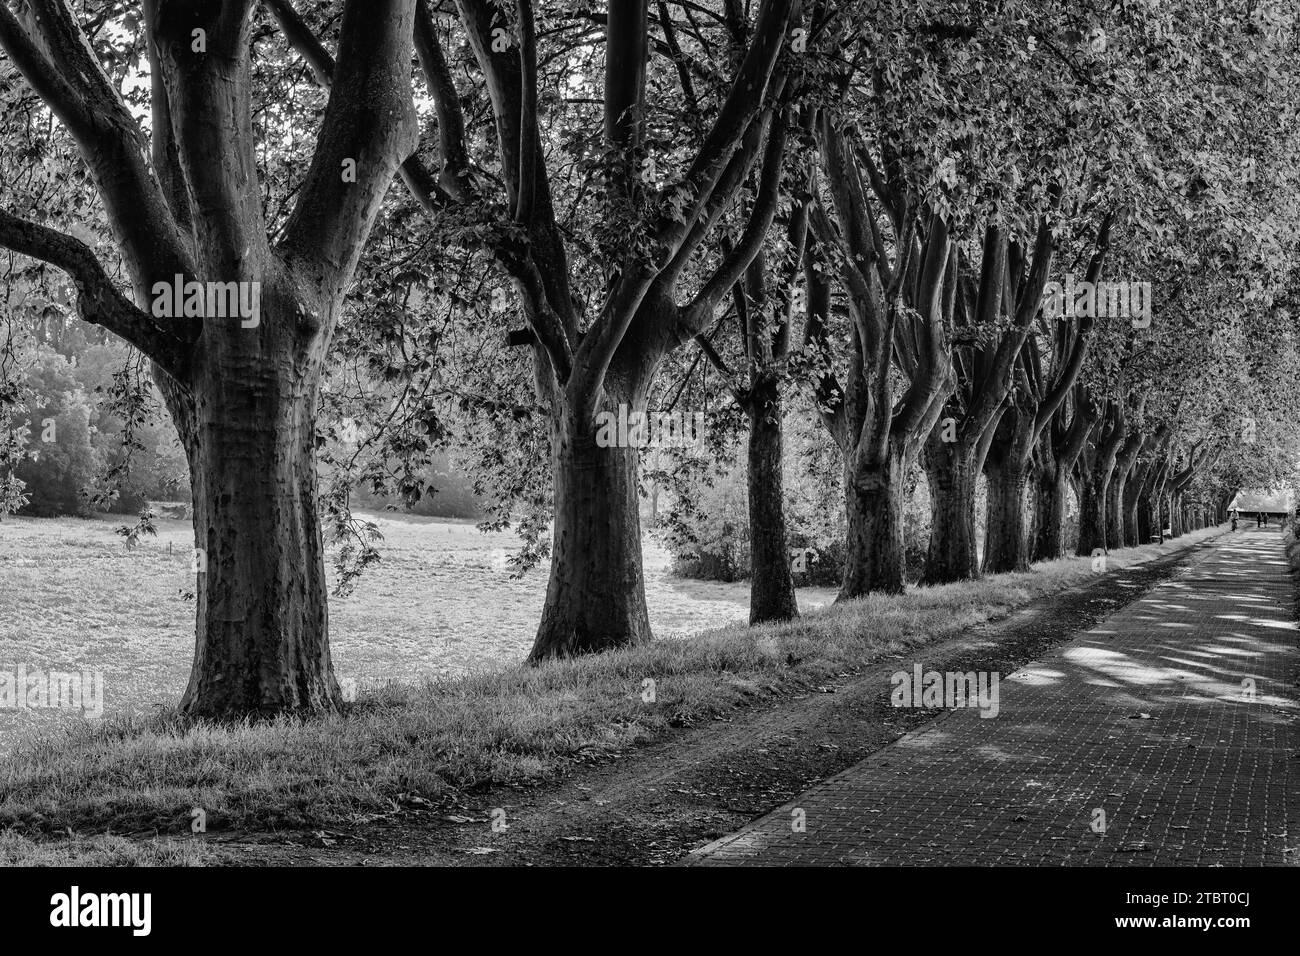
[[1092, 512], [262, 641], [1052, 497], [874, 554], [1094, 470], [1007, 468], [771, 586], [1116, 500], [951, 472], [595, 598]]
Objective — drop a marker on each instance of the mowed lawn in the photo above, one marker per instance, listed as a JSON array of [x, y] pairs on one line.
[[441, 603]]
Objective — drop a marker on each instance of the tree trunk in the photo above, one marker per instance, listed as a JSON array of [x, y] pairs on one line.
[[1053, 494], [595, 599], [262, 643], [1115, 510], [1059, 452], [1092, 512], [1006, 537], [1133, 489], [771, 586], [1052, 489], [950, 470], [1008, 549], [874, 556], [1151, 513]]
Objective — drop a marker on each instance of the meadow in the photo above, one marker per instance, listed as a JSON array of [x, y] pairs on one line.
[[442, 603]]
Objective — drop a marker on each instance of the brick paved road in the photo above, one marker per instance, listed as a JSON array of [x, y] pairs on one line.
[[1211, 776]]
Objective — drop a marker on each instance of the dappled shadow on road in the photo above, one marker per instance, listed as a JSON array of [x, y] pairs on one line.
[[1211, 633], [1163, 735]]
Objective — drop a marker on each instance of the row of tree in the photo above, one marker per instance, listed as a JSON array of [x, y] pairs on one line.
[[865, 200]]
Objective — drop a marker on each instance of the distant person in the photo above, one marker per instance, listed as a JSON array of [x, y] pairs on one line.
[[1259, 519], [1234, 520]]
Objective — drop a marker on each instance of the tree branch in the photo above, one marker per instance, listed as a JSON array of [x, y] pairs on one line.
[[698, 314], [98, 300], [746, 98], [451, 120], [369, 121], [54, 57]]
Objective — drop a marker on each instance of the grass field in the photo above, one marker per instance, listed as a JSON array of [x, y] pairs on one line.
[[441, 604]]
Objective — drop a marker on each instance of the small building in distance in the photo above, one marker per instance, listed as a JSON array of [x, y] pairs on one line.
[[1275, 503]]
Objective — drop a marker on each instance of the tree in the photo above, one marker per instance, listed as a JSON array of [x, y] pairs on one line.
[[185, 207], [1033, 450], [997, 311], [764, 317], [602, 358], [909, 300]]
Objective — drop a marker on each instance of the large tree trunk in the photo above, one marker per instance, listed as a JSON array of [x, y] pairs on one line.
[[1092, 511], [1006, 537], [951, 472], [1115, 509], [874, 557], [1097, 468], [1117, 492], [771, 587], [1008, 549], [1133, 492], [1059, 451], [262, 642], [595, 598], [1051, 493], [1150, 516]]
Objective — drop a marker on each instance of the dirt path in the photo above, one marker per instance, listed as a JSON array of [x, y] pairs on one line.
[[653, 805]]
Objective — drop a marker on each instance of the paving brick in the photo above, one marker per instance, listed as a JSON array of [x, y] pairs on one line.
[[1211, 777]]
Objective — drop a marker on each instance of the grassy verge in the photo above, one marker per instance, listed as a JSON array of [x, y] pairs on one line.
[[1292, 547], [404, 743], [98, 850]]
